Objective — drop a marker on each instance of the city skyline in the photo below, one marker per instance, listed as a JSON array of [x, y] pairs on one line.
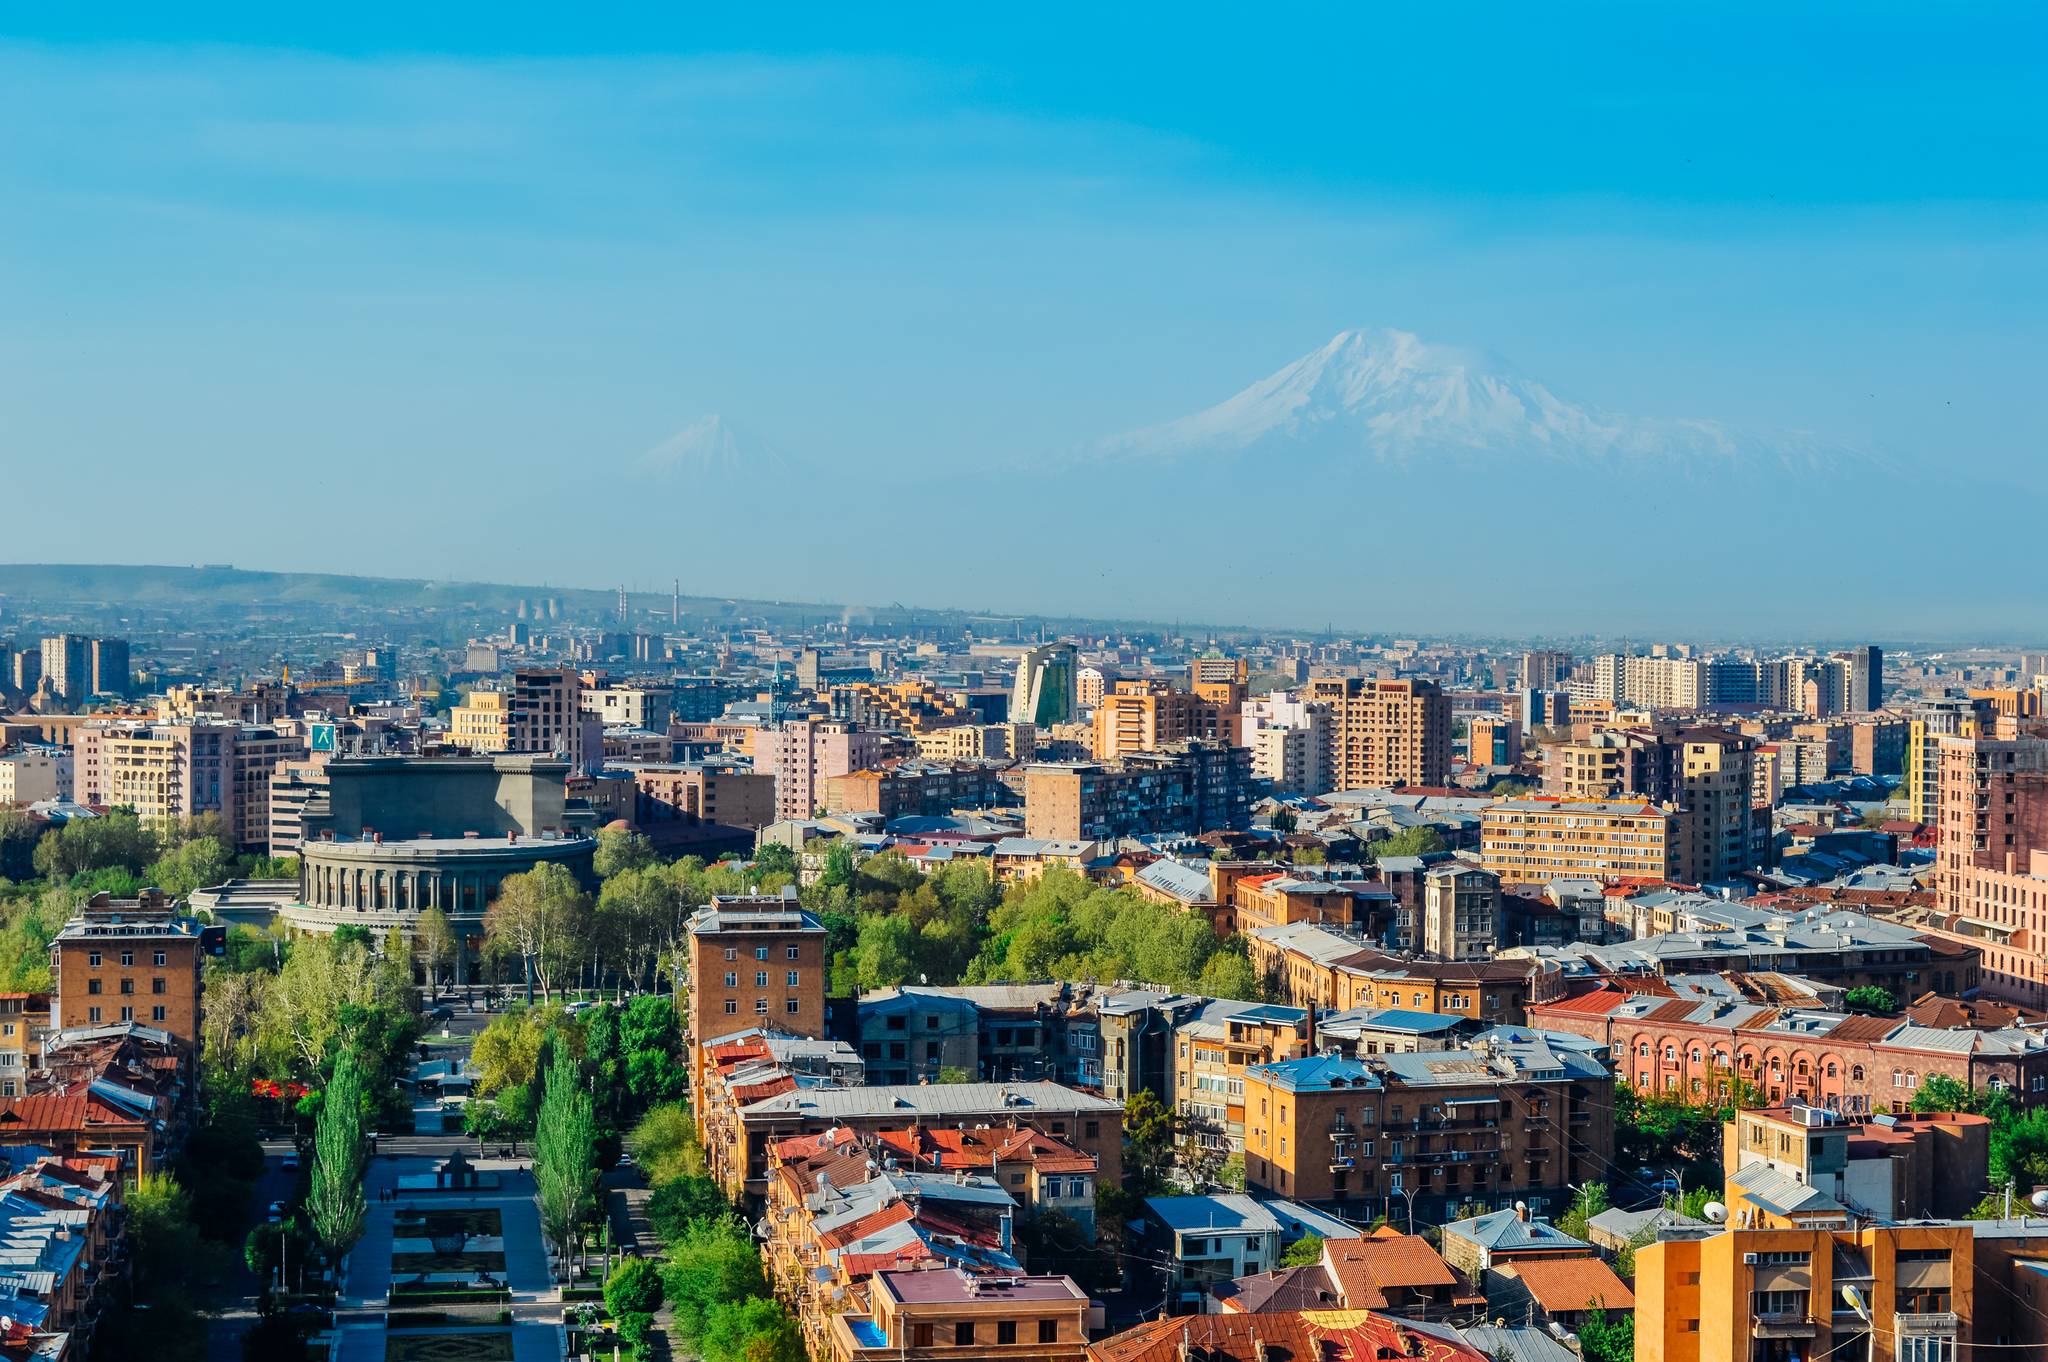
[[885, 281]]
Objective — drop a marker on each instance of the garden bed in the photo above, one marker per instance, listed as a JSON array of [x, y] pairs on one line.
[[429, 1293], [492, 1346]]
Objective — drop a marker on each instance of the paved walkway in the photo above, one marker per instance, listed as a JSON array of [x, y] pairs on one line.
[[366, 1289]]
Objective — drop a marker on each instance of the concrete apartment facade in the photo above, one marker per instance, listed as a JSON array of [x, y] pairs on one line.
[[1386, 732]]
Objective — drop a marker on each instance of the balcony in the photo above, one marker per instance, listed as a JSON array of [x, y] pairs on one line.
[[1936, 1324]]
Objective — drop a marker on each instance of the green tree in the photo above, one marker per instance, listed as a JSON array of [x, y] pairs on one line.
[[1590, 1201], [1231, 1174], [116, 840], [1150, 1128], [340, 1153], [1870, 998], [434, 941], [564, 1152], [620, 849], [1230, 975], [1303, 1252], [195, 864], [774, 859], [711, 1264], [665, 1143], [539, 917], [634, 1285], [682, 1202], [1939, 1092], [1605, 1338], [756, 1329], [1407, 842]]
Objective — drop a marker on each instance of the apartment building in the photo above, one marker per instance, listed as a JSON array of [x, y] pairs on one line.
[[1904, 1166], [1927, 724], [754, 962], [1414, 1137], [1712, 833], [1309, 965], [935, 1314], [1385, 733], [1192, 787], [1493, 740], [1991, 859], [1143, 716], [127, 960], [977, 742], [642, 707], [1289, 740], [1897, 1293], [803, 754], [695, 793], [1461, 912], [910, 789], [1527, 841], [1213, 1046], [34, 773], [539, 711], [170, 771], [910, 707]]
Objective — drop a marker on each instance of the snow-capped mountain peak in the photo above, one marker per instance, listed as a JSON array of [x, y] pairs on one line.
[[1393, 397]]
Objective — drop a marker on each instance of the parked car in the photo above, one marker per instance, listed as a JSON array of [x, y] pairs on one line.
[[276, 1212], [290, 1161]]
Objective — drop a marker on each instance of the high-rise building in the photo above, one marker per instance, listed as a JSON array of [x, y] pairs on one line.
[[24, 669], [1290, 743], [1931, 721], [1045, 690], [169, 771], [108, 668], [1991, 860], [802, 754], [540, 713], [67, 665], [1386, 733], [1544, 669], [1461, 918], [1715, 771], [1141, 716], [1863, 683]]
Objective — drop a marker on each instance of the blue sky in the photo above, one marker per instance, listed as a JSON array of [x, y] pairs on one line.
[[436, 279]]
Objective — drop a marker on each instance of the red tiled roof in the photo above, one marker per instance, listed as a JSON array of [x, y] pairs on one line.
[[1597, 1003], [1567, 1285], [1284, 1336], [1364, 1268], [895, 1213]]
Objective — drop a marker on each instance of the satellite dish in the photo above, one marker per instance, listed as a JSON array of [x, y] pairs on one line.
[[2039, 1200], [1715, 1212]]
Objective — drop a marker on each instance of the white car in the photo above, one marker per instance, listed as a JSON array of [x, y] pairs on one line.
[[276, 1212]]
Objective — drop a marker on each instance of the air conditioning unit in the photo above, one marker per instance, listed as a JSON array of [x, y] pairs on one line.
[[1749, 1260]]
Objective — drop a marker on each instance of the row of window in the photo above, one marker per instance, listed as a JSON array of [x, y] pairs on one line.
[[156, 1014], [732, 1007], [760, 952], [732, 979], [92, 958], [92, 986], [922, 1336]]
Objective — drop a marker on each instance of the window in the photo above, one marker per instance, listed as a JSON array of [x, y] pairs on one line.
[[921, 1335], [760, 952], [1926, 1348], [760, 978], [127, 958], [92, 1014], [732, 1007], [1006, 1331], [92, 986], [1777, 1303], [128, 986], [792, 979], [963, 1333], [930, 1023], [161, 961], [127, 1014], [157, 986], [1048, 1331], [760, 1007], [732, 952], [732, 979], [157, 1013], [92, 958], [792, 952], [791, 1007]]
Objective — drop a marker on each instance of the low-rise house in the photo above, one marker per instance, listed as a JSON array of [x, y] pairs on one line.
[[1559, 1291], [941, 1312], [1473, 1246], [1196, 1242]]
